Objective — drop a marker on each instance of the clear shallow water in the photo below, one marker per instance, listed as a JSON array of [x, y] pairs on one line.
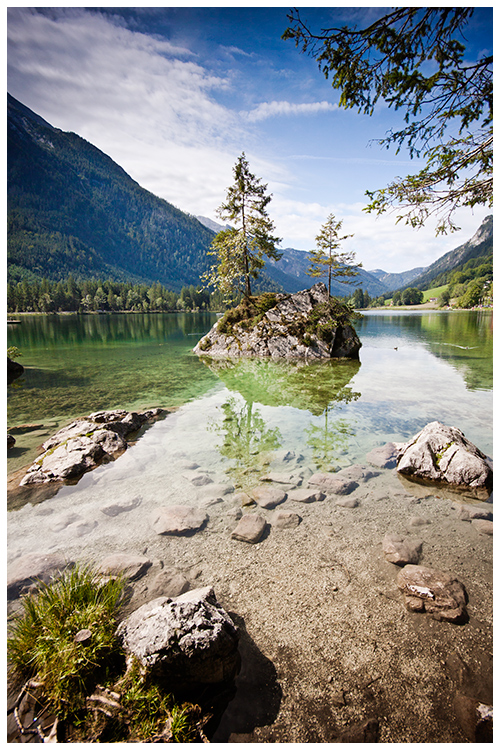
[[237, 418]]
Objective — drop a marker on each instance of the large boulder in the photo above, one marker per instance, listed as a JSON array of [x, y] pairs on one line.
[[186, 641], [443, 454], [85, 443], [433, 591], [303, 325]]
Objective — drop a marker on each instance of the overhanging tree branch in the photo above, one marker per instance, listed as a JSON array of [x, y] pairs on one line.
[[412, 60]]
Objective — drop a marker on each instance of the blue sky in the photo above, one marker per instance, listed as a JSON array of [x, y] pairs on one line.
[[175, 94]]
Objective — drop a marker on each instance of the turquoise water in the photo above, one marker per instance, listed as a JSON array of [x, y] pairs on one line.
[[414, 367]]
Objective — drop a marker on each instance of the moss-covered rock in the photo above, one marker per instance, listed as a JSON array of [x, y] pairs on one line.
[[308, 324]]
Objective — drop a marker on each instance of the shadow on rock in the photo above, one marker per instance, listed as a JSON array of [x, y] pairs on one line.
[[256, 696]]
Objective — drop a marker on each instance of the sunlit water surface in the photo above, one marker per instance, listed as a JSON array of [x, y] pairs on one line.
[[235, 420]]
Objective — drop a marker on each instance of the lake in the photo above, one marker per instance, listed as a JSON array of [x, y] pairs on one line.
[[414, 367], [318, 605]]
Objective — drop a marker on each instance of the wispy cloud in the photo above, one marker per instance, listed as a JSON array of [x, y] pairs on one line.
[[139, 98], [276, 109]]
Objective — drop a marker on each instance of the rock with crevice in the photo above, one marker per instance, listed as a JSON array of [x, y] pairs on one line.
[[433, 591], [186, 641], [443, 454], [301, 325]]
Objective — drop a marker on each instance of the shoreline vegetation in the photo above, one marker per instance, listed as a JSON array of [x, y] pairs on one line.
[[425, 306]]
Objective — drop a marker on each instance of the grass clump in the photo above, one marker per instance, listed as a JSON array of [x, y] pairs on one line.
[[42, 643], [247, 314], [84, 681]]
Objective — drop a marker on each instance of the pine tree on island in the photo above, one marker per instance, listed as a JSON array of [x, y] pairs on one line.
[[326, 260], [239, 250]]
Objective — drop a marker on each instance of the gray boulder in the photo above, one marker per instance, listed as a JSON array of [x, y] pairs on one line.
[[432, 591], [186, 641], [443, 454], [301, 325], [84, 444]]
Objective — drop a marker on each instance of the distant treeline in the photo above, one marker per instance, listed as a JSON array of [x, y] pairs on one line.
[[109, 296]]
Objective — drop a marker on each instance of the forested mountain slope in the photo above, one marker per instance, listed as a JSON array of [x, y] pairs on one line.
[[476, 251], [72, 209]]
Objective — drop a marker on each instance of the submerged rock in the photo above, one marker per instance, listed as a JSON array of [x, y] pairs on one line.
[[86, 443], [432, 591], [186, 641], [306, 324], [332, 483], [178, 520], [401, 550], [28, 571], [443, 454], [384, 456]]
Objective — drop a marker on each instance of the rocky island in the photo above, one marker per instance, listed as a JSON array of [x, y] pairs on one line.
[[308, 324]]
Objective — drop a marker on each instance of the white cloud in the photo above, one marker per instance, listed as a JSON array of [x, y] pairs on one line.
[[133, 96], [378, 241], [274, 109], [153, 109]]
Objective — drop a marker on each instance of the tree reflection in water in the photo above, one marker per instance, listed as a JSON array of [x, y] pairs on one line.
[[316, 387], [247, 441]]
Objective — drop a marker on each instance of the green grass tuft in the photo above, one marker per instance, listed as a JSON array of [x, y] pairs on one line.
[[42, 645]]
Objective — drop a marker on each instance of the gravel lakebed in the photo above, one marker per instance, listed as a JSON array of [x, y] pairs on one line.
[[326, 641]]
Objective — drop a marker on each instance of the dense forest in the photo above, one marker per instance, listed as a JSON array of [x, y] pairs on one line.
[[105, 296]]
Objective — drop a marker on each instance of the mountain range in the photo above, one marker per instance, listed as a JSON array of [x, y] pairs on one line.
[[73, 210]]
